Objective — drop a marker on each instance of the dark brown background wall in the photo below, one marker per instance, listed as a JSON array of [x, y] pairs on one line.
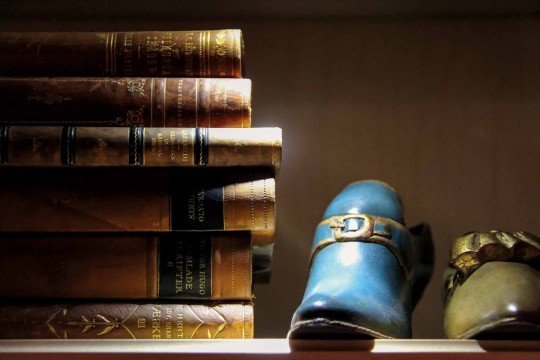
[[440, 101]]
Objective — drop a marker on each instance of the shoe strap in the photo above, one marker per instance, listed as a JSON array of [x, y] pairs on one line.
[[368, 229]]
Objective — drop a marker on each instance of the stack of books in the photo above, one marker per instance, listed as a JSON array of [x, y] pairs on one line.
[[136, 197]]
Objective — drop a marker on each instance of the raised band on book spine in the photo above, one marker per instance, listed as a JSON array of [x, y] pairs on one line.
[[201, 146], [123, 146], [69, 145], [136, 141]]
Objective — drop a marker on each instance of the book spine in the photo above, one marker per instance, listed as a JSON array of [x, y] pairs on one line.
[[94, 202], [241, 206], [213, 53], [200, 267], [181, 267], [153, 102], [126, 321], [121, 146]]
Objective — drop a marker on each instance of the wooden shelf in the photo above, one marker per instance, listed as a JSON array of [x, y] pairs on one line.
[[268, 348]]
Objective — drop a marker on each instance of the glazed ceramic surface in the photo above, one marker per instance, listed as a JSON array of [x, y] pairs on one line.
[[361, 274], [498, 297]]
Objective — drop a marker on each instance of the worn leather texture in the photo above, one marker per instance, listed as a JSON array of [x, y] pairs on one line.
[[498, 300], [126, 321], [361, 286], [251, 205], [214, 53], [124, 267], [113, 146], [231, 267], [152, 102], [83, 200]]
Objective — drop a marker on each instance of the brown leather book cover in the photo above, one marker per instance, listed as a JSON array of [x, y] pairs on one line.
[[152, 102], [55, 146], [206, 53], [126, 321], [176, 266], [110, 200]]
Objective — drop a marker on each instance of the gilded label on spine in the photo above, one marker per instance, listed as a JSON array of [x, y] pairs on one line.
[[185, 268], [197, 209], [169, 146]]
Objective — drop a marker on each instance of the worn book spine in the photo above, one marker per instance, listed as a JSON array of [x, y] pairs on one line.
[[155, 102], [136, 146], [98, 202], [188, 266], [126, 321], [209, 53]]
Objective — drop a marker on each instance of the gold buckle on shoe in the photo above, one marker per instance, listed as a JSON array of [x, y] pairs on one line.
[[338, 224], [366, 233]]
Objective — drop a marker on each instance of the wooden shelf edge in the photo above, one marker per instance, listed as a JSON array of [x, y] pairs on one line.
[[277, 347]]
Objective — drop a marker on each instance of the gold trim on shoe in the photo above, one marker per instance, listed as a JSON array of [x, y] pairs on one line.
[[474, 249]]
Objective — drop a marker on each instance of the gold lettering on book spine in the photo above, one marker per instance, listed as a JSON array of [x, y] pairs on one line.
[[221, 52], [189, 50], [201, 54], [169, 146], [127, 54], [166, 53]]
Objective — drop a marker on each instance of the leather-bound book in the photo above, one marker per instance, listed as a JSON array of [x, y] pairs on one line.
[[181, 266], [155, 147], [155, 102], [126, 321], [134, 200], [213, 53]]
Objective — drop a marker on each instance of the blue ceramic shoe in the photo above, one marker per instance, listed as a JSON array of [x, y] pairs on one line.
[[367, 269]]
